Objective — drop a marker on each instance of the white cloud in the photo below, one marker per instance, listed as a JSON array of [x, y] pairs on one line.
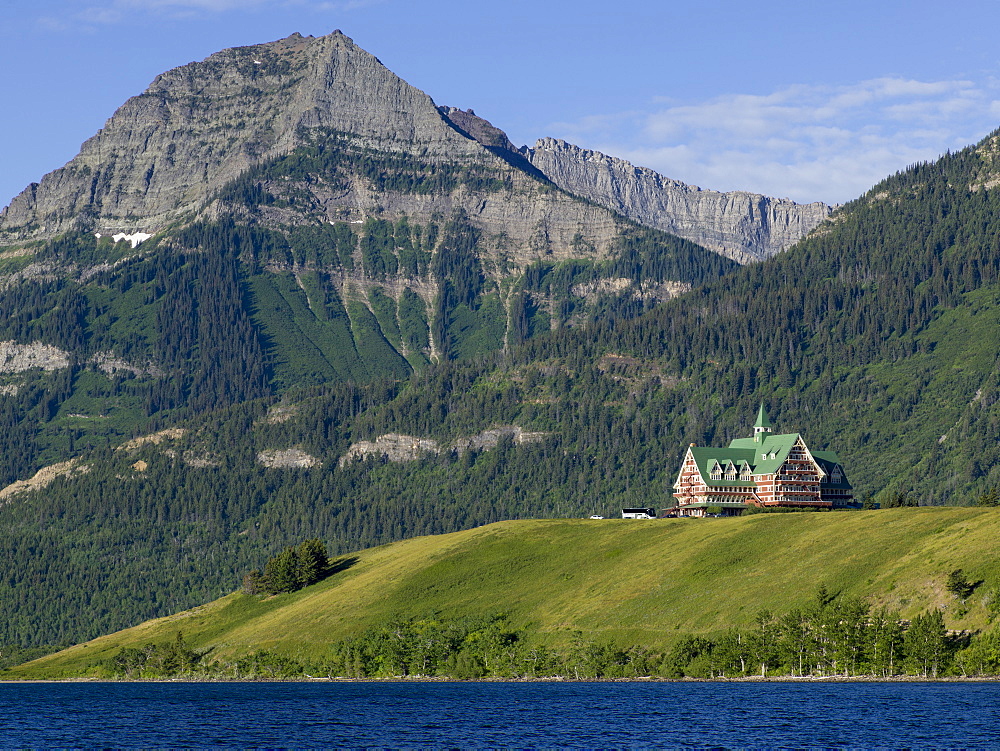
[[820, 142]]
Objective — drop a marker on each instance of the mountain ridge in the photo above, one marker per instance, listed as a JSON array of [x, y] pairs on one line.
[[741, 225], [131, 178]]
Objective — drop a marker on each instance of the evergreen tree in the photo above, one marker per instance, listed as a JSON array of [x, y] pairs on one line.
[[958, 585], [313, 562], [990, 498], [281, 573], [254, 583]]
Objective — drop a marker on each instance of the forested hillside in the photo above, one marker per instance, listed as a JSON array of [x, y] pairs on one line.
[[216, 313], [876, 339], [263, 298], [351, 289]]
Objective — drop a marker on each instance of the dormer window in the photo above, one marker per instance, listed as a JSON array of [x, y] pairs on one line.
[[716, 471], [836, 476], [731, 472], [745, 472]]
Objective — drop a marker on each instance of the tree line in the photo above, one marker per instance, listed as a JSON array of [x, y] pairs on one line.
[[833, 637]]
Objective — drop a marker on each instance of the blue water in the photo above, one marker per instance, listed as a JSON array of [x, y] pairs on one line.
[[523, 715]]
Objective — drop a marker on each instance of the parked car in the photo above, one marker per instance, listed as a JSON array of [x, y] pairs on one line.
[[595, 516]]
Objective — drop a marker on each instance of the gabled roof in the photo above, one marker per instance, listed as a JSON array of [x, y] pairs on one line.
[[768, 450], [764, 457], [828, 460], [705, 458], [764, 453]]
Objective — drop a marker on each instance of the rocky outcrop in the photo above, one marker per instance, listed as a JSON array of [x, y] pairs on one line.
[[154, 439], [292, 458], [15, 357], [43, 478], [490, 439], [475, 127], [112, 365], [646, 290], [743, 226], [396, 447]]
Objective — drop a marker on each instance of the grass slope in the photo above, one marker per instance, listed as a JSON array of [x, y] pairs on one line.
[[619, 581]]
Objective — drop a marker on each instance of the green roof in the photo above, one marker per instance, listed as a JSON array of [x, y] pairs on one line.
[[764, 455], [762, 419], [768, 450], [706, 457]]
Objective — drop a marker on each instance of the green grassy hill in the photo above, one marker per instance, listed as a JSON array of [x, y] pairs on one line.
[[620, 582]]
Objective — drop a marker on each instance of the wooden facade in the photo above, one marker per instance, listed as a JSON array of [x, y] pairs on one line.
[[766, 470]]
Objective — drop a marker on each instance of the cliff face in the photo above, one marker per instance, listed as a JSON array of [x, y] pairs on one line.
[[743, 226], [370, 231], [166, 154]]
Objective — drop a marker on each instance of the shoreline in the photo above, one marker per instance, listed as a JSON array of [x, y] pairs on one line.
[[554, 679]]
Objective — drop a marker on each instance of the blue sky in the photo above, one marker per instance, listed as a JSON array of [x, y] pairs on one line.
[[805, 100]]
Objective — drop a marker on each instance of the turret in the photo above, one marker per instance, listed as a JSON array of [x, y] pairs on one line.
[[763, 424]]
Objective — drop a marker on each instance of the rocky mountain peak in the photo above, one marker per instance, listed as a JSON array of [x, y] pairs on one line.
[[167, 154], [163, 153]]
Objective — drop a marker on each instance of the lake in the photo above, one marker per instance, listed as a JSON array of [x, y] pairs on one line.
[[583, 715]]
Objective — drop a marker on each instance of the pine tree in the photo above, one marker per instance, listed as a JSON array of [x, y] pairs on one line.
[[990, 498], [254, 583], [313, 562], [958, 585], [281, 574]]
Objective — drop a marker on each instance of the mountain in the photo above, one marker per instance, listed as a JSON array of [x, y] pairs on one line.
[[361, 337], [283, 225], [284, 215], [326, 134], [746, 227], [743, 226], [165, 153]]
